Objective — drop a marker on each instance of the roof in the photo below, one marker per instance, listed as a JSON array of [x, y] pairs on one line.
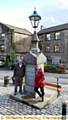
[[54, 28], [19, 30]]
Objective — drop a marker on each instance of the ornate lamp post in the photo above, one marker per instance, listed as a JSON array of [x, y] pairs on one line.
[[33, 58], [35, 18]]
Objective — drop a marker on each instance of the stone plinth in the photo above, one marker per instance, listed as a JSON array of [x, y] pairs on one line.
[[32, 61]]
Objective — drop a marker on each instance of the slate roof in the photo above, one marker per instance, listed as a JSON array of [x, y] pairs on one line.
[[54, 28], [19, 30]]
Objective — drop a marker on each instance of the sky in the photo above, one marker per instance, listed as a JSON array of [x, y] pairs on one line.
[[17, 12]]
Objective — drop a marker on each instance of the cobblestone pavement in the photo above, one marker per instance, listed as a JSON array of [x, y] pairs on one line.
[[11, 107]]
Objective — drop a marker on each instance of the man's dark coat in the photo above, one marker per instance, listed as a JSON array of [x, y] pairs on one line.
[[19, 74]]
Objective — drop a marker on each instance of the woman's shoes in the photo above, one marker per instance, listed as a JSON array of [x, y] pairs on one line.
[[42, 98]]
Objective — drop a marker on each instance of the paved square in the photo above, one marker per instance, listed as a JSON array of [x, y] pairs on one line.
[[11, 107]]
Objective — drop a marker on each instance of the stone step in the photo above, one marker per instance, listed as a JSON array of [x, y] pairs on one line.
[[49, 97]]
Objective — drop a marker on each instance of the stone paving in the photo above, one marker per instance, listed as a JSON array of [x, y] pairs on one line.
[[11, 107]]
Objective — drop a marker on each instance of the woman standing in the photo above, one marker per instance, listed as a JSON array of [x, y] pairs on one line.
[[40, 83]]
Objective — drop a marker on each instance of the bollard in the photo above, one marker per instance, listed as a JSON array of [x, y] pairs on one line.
[[6, 80], [58, 93], [13, 80], [64, 105]]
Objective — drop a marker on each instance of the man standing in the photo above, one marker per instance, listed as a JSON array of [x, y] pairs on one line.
[[19, 73]]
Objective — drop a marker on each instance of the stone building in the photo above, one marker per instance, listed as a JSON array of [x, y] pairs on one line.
[[14, 37], [55, 43]]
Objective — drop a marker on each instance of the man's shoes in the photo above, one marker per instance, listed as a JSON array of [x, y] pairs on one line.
[[21, 93], [15, 93]]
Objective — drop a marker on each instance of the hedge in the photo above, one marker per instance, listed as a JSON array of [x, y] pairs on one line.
[[54, 68]]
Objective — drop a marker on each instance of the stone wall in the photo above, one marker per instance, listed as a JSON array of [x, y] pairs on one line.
[[62, 42]]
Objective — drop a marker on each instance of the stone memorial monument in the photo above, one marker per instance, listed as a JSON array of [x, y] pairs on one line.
[[33, 58]]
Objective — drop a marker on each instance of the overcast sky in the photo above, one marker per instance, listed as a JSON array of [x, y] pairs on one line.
[[17, 12]]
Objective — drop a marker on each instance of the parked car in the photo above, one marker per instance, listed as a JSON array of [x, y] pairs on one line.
[[2, 63]]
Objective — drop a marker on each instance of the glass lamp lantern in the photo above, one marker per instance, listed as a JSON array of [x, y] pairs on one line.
[[35, 18]]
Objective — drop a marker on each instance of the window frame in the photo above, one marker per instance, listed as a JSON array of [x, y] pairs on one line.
[[56, 48], [48, 37], [57, 35], [47, 49]]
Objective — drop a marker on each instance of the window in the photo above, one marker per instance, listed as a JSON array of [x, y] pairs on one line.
[[56, 59], [57, 35], [48, 37], [47, 49], [56, 48], [2, 48], [3, 35]]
